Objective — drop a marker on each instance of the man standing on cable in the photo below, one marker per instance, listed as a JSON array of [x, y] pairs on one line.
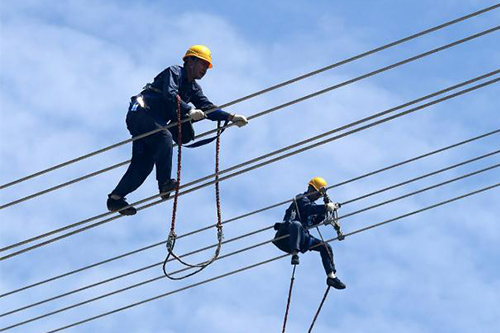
[[302, 214], [153, 109]]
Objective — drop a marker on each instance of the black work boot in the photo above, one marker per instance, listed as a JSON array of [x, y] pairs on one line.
[[295, 259], [167, 187], [335, 283], [117, 204]]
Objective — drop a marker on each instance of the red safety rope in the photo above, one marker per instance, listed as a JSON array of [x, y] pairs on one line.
[[289, 299], [179, 165], [172, 236]]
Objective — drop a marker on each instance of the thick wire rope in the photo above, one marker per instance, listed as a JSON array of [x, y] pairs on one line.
[[251, 247], [280, 85], [401, 163], [375, 123], [450, 88], [255, 265], [265, 112], [259, 158]]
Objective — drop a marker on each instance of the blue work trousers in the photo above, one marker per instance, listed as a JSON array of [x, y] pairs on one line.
[[301, 240], [153, 150]]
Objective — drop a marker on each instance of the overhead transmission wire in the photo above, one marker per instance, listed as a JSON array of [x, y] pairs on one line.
[[268, 228], [121, 256], [252, 117], [257, 264], [255, 159], [486, 83], [260, 114], [265, 112], [266, 90]]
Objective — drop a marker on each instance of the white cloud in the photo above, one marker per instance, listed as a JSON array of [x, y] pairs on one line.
[[65, 88]]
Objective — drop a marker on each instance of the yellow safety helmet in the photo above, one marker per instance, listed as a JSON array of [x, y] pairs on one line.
[[200, 52], [318, 183]]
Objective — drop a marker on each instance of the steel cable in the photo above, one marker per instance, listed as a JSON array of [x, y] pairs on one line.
[[280, 85], [375, 123], [437, 151], [464, 83], [257, 264], [265, 112], [251, 247]]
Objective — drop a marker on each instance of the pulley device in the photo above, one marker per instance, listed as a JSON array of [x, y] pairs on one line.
[[332, 218], [172, 236]]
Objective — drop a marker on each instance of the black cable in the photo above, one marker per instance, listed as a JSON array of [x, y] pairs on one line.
[[378, 49]]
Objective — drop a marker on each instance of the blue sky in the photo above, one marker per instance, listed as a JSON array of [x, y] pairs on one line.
[[67, 70]]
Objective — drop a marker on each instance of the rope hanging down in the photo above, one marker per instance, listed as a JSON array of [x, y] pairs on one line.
[[266, 90], [172, 237], [289, 299]]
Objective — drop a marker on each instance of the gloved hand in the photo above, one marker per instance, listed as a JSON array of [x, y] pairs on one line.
[[332, 206], [239, 120], [196, 114]]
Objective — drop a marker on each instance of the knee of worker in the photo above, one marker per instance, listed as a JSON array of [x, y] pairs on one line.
[[325, 247]]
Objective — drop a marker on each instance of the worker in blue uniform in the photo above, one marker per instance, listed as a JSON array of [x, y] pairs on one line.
[[155, 107], [301, 215]]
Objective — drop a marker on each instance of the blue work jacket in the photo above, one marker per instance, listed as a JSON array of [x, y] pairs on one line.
[[161, 101], [309, 213]]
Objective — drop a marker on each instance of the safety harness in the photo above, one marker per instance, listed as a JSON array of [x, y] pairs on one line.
[[332, 219], [172, 235], [187, 133]]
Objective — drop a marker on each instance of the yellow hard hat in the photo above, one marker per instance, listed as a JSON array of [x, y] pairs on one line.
[[318, 183], [200, 52]]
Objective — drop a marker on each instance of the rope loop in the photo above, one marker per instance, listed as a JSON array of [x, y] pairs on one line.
[[172, 236]]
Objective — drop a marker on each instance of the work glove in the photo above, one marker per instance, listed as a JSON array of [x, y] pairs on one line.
[[239, 120], [196, 114], [331, 206]]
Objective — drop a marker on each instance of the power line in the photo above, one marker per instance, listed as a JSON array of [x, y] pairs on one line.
[[413, 159], [258, 231], [375, 123], [373, 51], [464, 83], [12, 203], [254, 265], [265, 112]]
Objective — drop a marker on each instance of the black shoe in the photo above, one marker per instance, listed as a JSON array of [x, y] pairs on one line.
[[117, 204], [167, 188], [335, 283], [295, 259]]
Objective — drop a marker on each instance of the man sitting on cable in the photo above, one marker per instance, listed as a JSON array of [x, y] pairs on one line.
[[303, 214]]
